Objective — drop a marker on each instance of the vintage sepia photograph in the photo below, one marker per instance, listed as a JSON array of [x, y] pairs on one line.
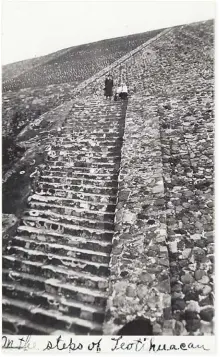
[[108, 168]]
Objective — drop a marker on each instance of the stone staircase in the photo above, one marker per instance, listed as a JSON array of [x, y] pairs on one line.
[[55, 270], [56, 267]]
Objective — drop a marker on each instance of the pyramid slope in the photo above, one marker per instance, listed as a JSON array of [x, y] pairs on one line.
[[162, 242], [74, 64]]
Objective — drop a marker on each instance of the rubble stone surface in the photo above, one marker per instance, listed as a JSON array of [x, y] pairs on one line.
[[111, 235], [168, 155]]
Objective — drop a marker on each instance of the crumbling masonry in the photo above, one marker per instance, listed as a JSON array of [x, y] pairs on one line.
[[118, 221]]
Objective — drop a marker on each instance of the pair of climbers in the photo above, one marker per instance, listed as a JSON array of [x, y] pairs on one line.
[[121, 92]]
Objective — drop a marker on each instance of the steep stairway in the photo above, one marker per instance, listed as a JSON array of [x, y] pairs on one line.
[[55, 270]]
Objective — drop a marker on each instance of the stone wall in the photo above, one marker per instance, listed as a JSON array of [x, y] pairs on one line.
[[173, 79], [139, 282], [162, 258]]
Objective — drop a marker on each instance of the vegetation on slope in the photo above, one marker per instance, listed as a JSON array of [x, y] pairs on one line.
[[76, 63], [33, 87]]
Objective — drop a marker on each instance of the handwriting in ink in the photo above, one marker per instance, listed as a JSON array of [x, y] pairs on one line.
[[95, 346], [172, 347], [23, 344], [60, 345], [136, 345]]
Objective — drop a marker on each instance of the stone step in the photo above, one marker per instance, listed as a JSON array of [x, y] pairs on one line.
[[94, 120], [14, 325], [66, 307], [74, 140], [43, 185], [111, 132], [102, 154], [39, 284], [69, 194], [49, 236], [68, 210], [91, 144], [81, 175], [70, 130], [34, 274], [69, 219], [95, 117], [89, 158], [72, 127], [66, 229], [60, 249], [55, 287], [78, 264], [94, 108], [48, 273], [77, 203], [91, 104], [78, 148], [90, 139], [108, 183], [49, 318], [82, 165], [92, 169]]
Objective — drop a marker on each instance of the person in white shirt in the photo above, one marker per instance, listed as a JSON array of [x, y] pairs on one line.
[[117, 93], [123, 91]]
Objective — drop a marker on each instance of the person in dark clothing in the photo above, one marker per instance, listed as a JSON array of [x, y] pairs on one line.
[[108, 87]]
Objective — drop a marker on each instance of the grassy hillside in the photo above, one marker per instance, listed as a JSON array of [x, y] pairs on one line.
[[36, 86], [74, 64], [13, 70], [48, 81]]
